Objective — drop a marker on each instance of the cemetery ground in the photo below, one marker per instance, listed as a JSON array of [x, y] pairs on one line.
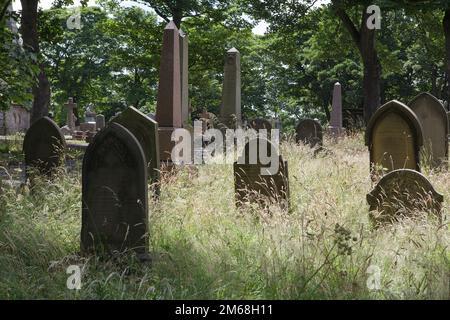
[[203, 247]]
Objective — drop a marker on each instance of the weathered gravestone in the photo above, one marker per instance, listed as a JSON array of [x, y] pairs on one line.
[[254, 181], [43, 146], [230, 110], [309, 132], [402, 193], [70, 117], [336, 128], [114, 194], [394, 138], [145, 130], [184, 77], [433, 118], [100, 121], [168, 108], [258, 124]]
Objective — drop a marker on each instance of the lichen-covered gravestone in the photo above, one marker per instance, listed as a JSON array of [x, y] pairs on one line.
[[145, 131], [402, 193], [309, 132], [43, 146], [433, 118], [114, 194], [254, 181], [394, 138]]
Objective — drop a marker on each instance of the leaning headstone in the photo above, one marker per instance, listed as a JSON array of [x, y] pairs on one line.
[[254, 181], [146, 132], [71, 119], [402, 193], [100, 121], [394, 138], [114, 194], [184, 69], [230, 110], [336, 128], [309, 132], [44, 147], [433, 118], [168, 108]]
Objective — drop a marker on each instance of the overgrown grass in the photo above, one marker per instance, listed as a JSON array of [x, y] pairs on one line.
[[205, 248]]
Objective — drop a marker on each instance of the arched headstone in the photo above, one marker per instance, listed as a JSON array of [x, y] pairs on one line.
[[402, 193], [145, 131], [43, 146], [433, 118], [253, 178], [309, 132], [258, 124], [394, 138], [114, 193]]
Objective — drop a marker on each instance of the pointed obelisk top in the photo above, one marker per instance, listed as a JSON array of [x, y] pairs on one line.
[[233, 50], [171, 25]]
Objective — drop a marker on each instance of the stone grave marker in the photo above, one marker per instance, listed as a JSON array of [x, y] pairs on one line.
[[114, 194], [44, 147], [145, 131], [230, 110], [309, 132], [402, 193], [184, 70], [252, 185], [433, 118], [70, 118], [336, 128], [100, 121], [394, 137], [168, 108]]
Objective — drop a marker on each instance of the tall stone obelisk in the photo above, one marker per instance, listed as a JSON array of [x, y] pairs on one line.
[[168, 108], [230, 110], [184, 69], [336, 111]]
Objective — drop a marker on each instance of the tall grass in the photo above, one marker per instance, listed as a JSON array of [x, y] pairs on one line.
[[203, 247]]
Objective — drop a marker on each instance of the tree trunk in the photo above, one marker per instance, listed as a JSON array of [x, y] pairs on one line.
[[41, 91], [446, 24], [372, 69], [365, 42]]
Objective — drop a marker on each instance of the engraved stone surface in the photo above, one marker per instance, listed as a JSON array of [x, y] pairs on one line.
[[114, 194], [394, 138], [43, 146], [433, 118], [251, 185], [402, 193], [309, 132]]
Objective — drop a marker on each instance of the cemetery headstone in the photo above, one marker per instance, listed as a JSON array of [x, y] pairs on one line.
[[309, 132], [394, 137], [433, 118], [114, 194], [100, 121], [168, 108], [258, 124], [145, 131], [402, 193], [70, 118], [230, 110], [336, 128], [252, 185], [43, 146]]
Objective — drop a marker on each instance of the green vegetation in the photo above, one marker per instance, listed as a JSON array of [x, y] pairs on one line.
[[202, 247]]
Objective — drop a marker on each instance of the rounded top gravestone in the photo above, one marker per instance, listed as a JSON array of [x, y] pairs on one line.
[[145, 130], [309, 131], [114, 193], [433, 118], [43, 146], [401, 193], [394, 137]]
